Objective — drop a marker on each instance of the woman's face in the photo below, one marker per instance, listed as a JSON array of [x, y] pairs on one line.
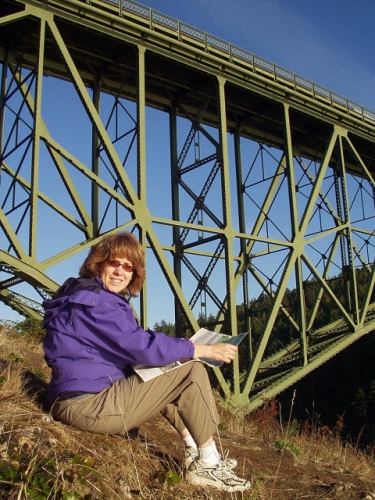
[[116, 274]]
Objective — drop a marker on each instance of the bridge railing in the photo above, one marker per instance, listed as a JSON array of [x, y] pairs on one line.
[[210, 43]]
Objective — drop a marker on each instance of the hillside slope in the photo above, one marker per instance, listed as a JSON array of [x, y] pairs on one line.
[[44, 459]]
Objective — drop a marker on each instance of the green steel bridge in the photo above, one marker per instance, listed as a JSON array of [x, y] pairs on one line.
[[250, 187]]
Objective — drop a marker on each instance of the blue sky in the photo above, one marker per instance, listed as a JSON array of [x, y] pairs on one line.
[[326, 41], [330, 42]]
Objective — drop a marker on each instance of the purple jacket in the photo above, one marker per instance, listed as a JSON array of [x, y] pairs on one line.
[[93, 339]]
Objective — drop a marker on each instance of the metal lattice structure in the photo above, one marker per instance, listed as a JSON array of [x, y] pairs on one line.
[[251, 188]]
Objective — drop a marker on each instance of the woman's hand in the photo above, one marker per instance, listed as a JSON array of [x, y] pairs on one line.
[[219, 352]]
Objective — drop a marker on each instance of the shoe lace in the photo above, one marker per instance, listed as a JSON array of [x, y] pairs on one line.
[[224, 457]]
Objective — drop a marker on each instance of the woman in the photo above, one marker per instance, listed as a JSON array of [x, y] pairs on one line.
[[93, 340]]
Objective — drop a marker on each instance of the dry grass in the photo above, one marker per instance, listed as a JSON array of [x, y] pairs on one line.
[[44, 459], [38, 452]]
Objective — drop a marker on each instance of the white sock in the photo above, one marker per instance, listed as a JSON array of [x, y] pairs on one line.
[[209, 455], [189, 442]]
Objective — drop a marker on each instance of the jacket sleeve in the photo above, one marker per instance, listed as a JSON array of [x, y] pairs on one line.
[[107, 325]]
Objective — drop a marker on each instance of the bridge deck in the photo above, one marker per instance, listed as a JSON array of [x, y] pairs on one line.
[[180, 61]]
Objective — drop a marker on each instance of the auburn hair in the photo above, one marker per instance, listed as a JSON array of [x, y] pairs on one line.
[[117, 246]]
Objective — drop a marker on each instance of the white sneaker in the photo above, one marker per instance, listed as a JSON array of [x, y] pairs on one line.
[[192, 453], [216, 476]]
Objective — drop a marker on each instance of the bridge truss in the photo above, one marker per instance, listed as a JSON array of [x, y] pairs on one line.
[[251, 188]]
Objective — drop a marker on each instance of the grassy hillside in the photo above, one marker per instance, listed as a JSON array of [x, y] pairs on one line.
[[44, 459]]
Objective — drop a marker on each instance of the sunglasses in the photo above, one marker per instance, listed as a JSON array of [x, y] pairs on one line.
[[126, 267]]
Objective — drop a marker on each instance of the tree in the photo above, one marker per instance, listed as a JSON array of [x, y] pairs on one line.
[[164, 327]]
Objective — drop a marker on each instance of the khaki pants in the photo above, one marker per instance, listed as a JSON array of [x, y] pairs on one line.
[[182, 395]]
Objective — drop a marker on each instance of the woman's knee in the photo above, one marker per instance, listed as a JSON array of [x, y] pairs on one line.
[[199, 373]]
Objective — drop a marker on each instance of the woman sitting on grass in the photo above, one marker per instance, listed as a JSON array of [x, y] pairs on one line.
[[93, 340]]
